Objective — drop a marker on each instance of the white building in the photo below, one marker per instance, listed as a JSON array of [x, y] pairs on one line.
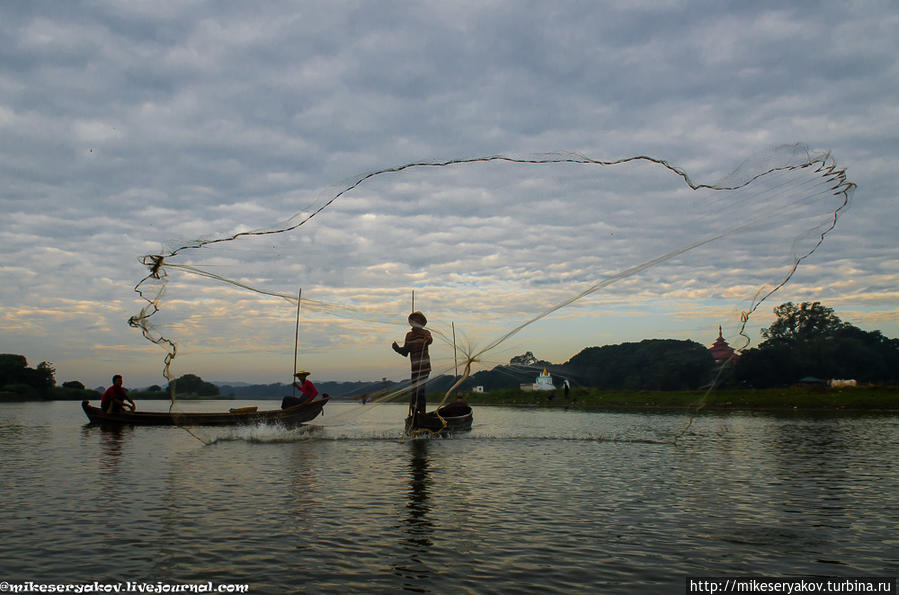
[[544, 382]]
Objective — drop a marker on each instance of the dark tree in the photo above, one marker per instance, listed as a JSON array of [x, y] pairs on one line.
[[803, 322], [528, 360], [191, 384], [810, 340], [44, 377], [652, 364], [12, 369]]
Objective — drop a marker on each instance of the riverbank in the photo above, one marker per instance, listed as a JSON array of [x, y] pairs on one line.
[[864, 398], [873, 398]]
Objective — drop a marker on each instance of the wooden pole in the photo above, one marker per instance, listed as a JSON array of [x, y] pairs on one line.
[[413, 300], [455, 357], [296, 343]]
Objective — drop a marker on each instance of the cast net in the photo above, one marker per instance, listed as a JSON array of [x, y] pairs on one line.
[[505, 254]]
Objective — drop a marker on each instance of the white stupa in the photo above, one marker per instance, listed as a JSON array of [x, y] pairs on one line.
[[544, 382]]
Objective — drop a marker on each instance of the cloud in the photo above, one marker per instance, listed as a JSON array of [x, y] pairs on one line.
[[129, 129]]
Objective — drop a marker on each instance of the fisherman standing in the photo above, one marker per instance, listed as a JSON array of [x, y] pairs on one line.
[[416, 347]]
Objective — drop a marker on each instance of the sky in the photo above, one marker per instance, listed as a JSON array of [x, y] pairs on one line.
[[133, 129]]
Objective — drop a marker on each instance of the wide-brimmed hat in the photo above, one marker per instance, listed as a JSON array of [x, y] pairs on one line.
[[418, 317], [302, 373]]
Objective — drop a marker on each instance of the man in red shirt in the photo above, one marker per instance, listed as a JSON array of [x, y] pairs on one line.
[[113, 399], [307, 389]]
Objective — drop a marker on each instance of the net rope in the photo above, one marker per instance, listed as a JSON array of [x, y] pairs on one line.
[[771, 187]]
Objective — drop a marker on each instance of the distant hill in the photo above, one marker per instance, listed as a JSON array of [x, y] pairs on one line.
[[523, 369], [652, 364], [337, 390], [497, 378]]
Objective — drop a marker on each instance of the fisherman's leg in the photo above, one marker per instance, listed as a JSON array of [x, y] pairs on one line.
[[412, 395], [421, 402]]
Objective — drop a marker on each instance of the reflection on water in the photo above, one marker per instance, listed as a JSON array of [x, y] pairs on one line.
[[109, 457], [418, 527], [110, 453], [302, 483]]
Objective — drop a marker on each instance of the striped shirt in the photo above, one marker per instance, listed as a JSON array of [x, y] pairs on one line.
[[416, 347]]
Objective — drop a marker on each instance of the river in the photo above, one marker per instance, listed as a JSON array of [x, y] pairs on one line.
[[529, 501]]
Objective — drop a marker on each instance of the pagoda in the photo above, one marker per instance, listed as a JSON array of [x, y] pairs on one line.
[[721, 351], [544, 382]]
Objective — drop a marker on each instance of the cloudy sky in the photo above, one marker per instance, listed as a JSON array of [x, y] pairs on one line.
[[131, 129]]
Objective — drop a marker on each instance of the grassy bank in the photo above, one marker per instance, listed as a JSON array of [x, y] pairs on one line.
[[56, 393], [877, 398]]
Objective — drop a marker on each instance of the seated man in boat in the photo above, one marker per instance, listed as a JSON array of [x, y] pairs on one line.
[[306, 388], [416, 347], [113, 399], [308, 392]]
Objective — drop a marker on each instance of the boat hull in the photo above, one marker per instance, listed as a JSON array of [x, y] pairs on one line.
[[441, 421], [291, 416]]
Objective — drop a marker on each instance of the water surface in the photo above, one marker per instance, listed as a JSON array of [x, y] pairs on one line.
[[528, 501]]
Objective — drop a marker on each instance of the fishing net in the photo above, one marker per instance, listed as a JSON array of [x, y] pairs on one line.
[[505, 253]]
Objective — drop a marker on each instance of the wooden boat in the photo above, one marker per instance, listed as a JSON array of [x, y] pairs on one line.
[[291, 416], [448, 419]]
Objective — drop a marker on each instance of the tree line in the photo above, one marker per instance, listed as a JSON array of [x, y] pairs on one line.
[[805, 340], [18, 380], [809, 340]]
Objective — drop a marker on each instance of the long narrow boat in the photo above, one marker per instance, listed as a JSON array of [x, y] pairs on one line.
[[291, 416], [448, 419]]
